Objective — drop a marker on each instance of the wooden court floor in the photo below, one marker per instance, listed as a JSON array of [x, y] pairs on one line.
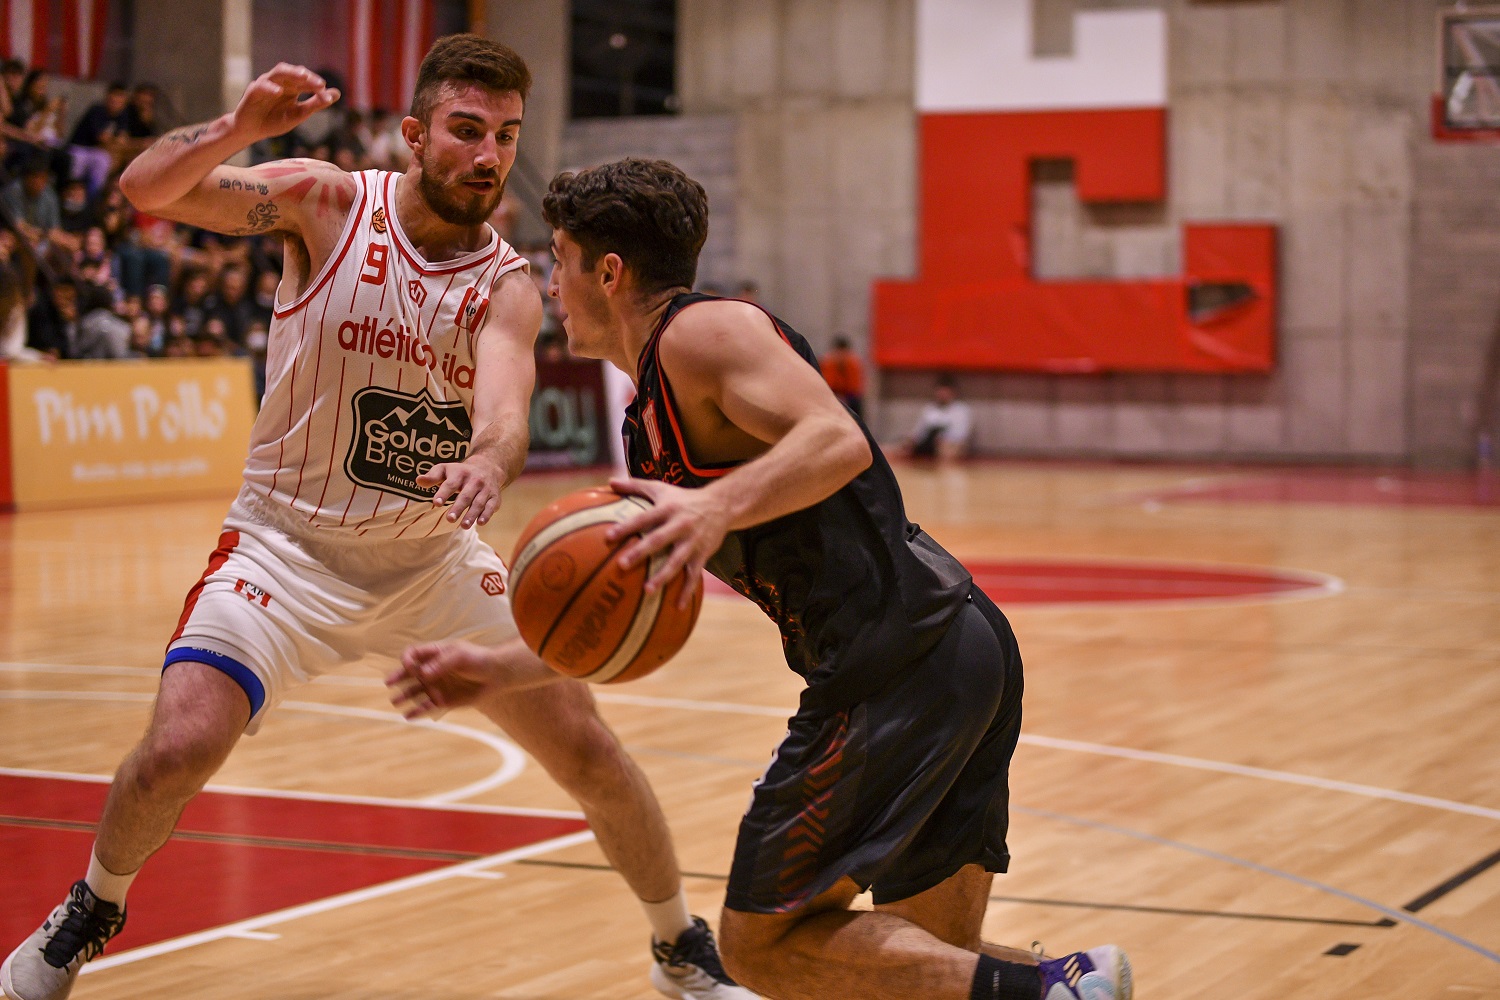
[[1264, 792]]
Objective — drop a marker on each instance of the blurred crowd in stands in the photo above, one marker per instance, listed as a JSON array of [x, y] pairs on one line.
[[83, 275]]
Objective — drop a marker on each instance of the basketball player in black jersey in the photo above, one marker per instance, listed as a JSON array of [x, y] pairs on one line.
[[893, 775]]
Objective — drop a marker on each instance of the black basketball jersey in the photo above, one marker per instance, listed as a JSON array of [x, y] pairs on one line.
[[857, 590]]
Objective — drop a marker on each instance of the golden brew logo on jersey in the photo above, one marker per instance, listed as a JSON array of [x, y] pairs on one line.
[[398, 436]]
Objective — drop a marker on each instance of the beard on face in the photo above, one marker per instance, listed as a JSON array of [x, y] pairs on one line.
[[456, 204]]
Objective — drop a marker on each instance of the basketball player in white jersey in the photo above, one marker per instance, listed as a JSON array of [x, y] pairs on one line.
[[399, 376]]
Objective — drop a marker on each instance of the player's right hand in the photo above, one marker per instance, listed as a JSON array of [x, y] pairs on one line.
[[273, 104]]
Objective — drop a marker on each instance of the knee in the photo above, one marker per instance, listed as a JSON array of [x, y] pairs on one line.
[[747, 951], [176, 764], [590, 762]]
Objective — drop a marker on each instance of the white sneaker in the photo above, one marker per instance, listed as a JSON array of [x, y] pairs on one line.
[[47, 963], [1101, 973], [690, 969]]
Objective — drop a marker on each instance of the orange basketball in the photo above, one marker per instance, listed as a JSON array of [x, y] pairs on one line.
[[574, 606]]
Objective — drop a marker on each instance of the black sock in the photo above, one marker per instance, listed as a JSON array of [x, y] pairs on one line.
[[997, 980]]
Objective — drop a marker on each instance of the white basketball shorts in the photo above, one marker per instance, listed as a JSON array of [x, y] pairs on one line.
[[276, 608]]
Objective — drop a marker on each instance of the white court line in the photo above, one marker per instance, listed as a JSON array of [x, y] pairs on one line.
[[336, 902], [1285, 777], [356, 800], [512, 760], [1100, 749], [1078, 746], [1105, 750], [14, 666]]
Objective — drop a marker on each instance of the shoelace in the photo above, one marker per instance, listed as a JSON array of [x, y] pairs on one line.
[[694, 947], [83, 931]]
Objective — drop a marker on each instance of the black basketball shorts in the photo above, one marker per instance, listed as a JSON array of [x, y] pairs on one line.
[[898, 792]]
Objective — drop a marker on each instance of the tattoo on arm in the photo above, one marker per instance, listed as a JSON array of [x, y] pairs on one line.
[[261, 219], [227, 184], [186, 136]]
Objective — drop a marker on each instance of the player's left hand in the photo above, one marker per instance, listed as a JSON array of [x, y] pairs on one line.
[[692, 523], [436, 676], [472, 485]]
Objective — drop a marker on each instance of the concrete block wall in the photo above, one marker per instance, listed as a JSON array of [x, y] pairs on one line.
[[704, 146], [201, 63], [1301, 112], [1309, 113], [821, 95]]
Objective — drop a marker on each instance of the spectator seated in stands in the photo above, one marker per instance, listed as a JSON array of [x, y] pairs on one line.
[[945, 426], [213, 341], [845, 375], [33, 204], [263, 303], [192, 304], [141, 127], [15, 288], [95, 251], [12, 75], [33, 124], [99, 141], [69, 323], [139, 264], [178, 345], [76, 213], [255, 346], [156, 307], [231, 305], [140, 339]]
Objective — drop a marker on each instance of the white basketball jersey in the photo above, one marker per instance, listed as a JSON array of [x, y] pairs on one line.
[[370, 376]]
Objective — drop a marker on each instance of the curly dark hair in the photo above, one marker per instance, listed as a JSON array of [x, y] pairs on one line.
[[648, 211], [467, 58]]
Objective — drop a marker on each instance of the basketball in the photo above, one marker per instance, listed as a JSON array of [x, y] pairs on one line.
[[577, 609]]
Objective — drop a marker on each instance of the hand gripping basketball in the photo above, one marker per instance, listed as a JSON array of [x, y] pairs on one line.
[[579, 609]]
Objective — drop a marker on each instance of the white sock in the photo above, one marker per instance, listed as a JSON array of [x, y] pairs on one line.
[[106, 884], [669, 918]]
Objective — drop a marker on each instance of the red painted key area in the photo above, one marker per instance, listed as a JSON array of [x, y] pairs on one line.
[[1066, 582], [237, 856]]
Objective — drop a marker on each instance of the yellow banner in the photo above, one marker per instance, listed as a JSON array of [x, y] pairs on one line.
[[91, 432]]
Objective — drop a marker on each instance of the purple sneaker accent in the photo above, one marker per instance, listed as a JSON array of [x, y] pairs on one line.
[[1101, 973]]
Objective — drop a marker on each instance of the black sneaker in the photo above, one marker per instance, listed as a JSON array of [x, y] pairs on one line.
[[691, 970], [47, 963]]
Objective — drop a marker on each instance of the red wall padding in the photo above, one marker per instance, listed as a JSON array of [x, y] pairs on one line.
[[975, 304]]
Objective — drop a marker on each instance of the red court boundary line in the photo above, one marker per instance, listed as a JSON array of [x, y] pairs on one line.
[[1063, 584]]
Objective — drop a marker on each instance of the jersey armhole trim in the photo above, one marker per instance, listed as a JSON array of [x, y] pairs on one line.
[[713, 470], [346, 238]]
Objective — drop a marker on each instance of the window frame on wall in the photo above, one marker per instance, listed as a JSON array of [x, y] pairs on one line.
[[622, 58], [1473, 72]]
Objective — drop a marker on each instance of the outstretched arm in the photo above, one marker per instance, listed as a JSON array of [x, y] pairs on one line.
[[504, 374], [434, 677], [181, 176], [728, 365]]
